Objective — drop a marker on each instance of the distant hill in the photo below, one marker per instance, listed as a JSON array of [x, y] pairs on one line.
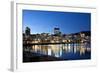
[[87, 33]]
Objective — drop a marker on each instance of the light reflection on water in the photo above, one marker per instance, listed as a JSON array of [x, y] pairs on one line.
[[60, 50]]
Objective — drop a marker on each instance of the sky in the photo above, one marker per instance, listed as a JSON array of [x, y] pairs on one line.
[[46, 21]]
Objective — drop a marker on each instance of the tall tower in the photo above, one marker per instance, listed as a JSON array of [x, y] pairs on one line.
[[27, 31], [57, 31]]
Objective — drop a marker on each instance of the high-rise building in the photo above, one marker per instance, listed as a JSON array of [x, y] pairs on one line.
[[27, 31], [57, 31]]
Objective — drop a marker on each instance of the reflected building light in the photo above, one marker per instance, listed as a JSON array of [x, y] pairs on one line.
[[69, 47], [66, 47], [60, 54], [82, 50], [33, 47], [75, 48], [56, 50], [88, 49], [57, 54], [49, 52]]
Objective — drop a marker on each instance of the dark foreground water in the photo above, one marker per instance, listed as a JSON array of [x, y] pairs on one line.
[[56, 52]]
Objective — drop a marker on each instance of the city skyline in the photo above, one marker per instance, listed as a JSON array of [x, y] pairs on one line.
[[46, 21]]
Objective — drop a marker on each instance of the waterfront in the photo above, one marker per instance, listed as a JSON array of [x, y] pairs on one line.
[[72, 51]]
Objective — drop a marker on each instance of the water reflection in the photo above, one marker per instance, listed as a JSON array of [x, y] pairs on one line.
[[60, 50]]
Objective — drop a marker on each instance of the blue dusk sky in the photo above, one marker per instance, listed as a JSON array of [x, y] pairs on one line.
[[46, 21]]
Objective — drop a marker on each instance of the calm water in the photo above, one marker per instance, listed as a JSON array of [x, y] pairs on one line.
[[63, 51]]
